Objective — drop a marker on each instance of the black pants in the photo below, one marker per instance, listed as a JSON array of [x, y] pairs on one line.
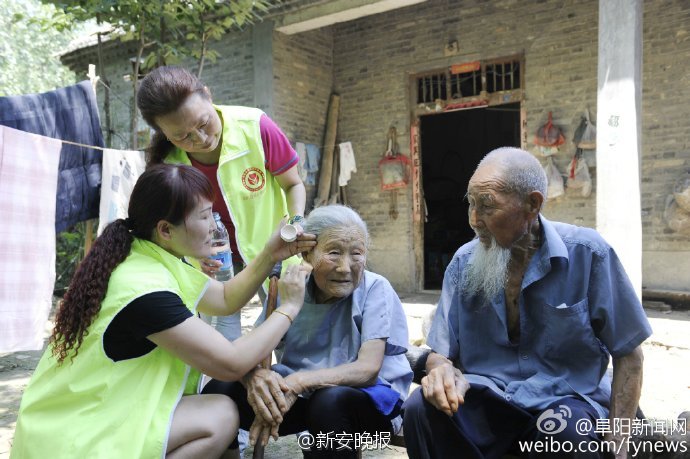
[[487, 427], [327, 413]]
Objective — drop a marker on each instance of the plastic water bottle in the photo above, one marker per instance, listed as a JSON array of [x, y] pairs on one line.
[[220, 246]]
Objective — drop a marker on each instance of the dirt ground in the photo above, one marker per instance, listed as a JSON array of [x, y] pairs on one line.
[[665, 394]]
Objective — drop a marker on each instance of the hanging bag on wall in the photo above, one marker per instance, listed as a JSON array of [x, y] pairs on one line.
[[677, 209], [681, 192], [579, 175], [549, 135], [394, 167], [554, 179], [585, 136]]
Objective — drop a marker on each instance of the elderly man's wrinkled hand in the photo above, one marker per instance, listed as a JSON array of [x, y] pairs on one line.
[[295, 388], [445, 387], [265, 389]]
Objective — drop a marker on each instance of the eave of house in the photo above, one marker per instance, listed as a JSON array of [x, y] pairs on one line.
[[325, 14]]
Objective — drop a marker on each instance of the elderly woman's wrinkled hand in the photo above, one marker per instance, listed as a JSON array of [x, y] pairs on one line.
[[262, 429], [280, 250], [265, 390], [260, 432]]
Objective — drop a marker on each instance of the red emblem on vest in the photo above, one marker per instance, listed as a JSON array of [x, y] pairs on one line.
[[253, 179]]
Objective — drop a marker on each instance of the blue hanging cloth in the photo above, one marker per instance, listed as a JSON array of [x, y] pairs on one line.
[[68, 114]]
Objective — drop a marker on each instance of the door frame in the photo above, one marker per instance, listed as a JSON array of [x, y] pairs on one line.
[[418, 110]]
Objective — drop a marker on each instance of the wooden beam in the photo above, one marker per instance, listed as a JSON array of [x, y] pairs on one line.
[[326, 172]]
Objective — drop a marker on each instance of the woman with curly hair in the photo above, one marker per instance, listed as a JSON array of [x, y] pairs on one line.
[[122, 372]]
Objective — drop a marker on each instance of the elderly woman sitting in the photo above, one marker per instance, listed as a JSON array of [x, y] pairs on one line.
[[341, 366]]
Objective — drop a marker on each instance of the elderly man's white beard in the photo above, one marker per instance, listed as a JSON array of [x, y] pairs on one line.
[[487, 271]]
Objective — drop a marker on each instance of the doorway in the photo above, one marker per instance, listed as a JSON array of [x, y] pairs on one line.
[[452, 144]]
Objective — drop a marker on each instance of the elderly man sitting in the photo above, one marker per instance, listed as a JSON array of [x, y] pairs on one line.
[[529, 313], [341, 370]]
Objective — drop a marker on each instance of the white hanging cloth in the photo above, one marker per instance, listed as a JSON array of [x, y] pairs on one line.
[[121, 169], [347, 163], [28, 189]]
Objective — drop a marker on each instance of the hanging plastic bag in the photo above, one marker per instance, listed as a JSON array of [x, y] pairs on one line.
[[394, 167], [585, 137], [579, 177], [547, 151], [554, 179], [677, 210], [676, 218], [681, 192], [394, 171], [549, 135]]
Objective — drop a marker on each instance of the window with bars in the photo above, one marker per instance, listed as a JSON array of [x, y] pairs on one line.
[[465, 84], [432, 87], [502, 76], [469, 80]]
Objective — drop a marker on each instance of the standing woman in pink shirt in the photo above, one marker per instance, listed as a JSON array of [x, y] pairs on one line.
[[249, 161]]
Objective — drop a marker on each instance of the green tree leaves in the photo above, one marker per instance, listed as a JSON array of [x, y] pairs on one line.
[[31, 37]]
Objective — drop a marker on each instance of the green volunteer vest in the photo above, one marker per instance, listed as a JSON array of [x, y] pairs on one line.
[[253, 195], [92, 407]]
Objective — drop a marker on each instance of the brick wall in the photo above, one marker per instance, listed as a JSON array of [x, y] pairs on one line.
[[303, 80], [374, 56], [665, 138], [369, 61], [230, 79]]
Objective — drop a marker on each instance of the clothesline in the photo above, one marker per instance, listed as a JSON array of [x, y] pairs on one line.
[[139, 149], [90, 146]]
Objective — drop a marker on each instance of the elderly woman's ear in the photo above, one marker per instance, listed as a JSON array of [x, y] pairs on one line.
[[308, 256]]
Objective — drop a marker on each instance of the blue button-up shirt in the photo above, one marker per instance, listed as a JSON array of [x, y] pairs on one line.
[[577, 308]]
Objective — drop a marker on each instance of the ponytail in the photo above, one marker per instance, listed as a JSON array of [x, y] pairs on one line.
[[87, 289], [158, 149]]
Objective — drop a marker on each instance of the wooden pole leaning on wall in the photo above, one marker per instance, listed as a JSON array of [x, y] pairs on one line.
[[334, 193], [326, 172]]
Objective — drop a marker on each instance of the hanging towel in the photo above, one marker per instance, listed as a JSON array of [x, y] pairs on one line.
[[347, 163], [301, 150], [28, 183], [121, 169], [312, 163], [68, 114]]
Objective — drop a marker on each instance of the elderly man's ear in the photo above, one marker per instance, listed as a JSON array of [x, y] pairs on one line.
[[534, 202]]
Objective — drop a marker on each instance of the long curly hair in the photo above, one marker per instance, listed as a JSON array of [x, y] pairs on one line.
[[161, 92], [163, 192]]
